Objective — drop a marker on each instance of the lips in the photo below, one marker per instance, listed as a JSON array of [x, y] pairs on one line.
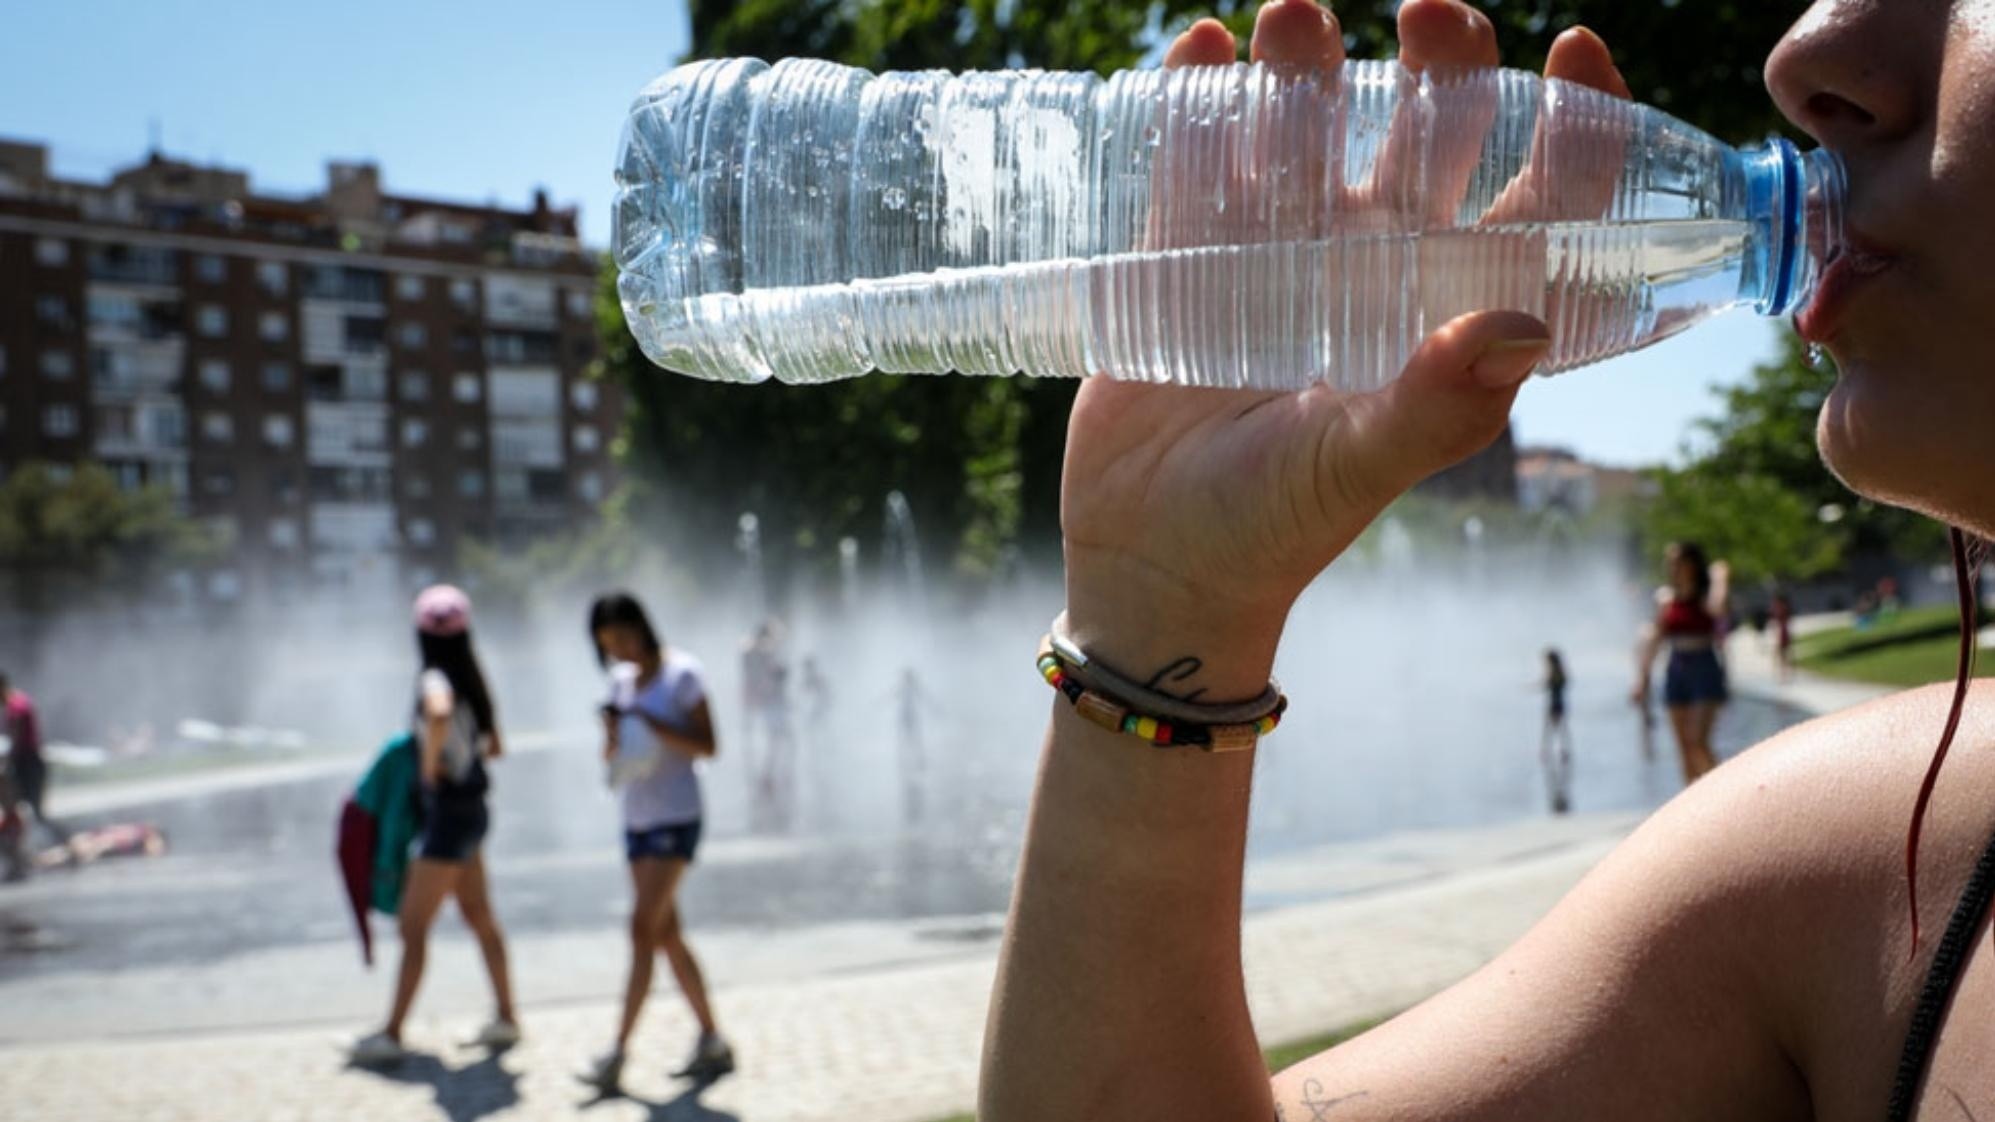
[[1841, 280]]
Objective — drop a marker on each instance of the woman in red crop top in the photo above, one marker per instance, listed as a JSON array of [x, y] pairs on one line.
[[1694, 686]]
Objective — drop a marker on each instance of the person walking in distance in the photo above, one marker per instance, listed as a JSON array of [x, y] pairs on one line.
[[657, 725], [1694, 681], [27, 768], [456, 732], [1555, 747]]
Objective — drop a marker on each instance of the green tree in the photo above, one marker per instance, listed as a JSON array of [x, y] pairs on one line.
[[1756, 490], [71, 542], [979, 459]]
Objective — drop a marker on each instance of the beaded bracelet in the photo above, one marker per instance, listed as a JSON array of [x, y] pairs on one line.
[[1100, 709]]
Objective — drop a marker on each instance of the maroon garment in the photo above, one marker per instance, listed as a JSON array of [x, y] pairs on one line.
[[23, 726]]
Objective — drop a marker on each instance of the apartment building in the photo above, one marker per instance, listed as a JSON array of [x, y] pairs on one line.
[[346, 386]]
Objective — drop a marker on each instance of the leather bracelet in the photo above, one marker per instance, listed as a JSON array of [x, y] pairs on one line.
[[1115, 715], [1093, 675]]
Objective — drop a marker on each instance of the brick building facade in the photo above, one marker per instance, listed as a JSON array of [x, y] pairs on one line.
[[346, 386]]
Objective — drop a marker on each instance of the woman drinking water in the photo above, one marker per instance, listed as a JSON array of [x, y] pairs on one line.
[[1801, 936]]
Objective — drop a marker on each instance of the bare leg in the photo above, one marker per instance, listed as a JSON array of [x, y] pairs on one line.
[[692, 983], [1680, 724], [429, 882], [474, 900], [1703, 718], [652, 881]]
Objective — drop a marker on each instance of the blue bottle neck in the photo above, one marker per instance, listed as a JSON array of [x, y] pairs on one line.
[[1794, 202]]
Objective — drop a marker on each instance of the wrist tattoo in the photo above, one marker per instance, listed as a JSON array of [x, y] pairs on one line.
[[1178, 671], [1319, 1104]]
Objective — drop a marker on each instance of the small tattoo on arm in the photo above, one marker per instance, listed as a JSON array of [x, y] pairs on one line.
[[1184, 668], [1321, 1104]]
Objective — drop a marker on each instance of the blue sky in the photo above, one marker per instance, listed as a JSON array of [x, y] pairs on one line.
[[486, 101]]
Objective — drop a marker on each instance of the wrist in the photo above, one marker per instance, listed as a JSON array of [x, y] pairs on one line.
[[1144, 623]]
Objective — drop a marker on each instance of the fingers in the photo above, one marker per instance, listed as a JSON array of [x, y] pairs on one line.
[[1438, 35], [1205, 43], [1444, 33], [1580, 57], [1297, 33], [1573, 169], [1453, 399]]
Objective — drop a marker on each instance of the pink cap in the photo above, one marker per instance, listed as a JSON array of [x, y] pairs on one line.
[[443, 609]]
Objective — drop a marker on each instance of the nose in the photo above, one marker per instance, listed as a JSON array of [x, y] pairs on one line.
[[1845, 76]]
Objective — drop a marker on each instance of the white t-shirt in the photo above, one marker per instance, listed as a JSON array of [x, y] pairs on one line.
[[461, 743], [662, 788]]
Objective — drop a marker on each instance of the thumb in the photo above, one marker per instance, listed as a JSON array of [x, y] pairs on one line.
[[1451, 401]]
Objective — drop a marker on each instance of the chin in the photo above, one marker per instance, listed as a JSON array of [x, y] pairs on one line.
[[1885, 443]]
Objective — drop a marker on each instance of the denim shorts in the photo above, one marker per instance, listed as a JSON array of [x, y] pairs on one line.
[[1695, 677], [674, 842], [453, 828]]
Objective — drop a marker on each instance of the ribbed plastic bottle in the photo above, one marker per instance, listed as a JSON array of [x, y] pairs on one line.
[[1242, 226]]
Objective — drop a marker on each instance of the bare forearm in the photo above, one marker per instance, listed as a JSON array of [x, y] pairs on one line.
[[1119, 992], [678, 740]]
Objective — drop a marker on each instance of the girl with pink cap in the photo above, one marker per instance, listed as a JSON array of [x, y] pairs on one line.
[[456, 732]]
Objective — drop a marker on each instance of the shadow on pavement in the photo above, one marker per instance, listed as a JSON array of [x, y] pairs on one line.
[[465, 1094], [685, 1107]]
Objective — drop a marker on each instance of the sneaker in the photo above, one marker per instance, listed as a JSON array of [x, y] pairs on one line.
[[605, 1072], [497, 1036], [376, 1050], [712, 1058]]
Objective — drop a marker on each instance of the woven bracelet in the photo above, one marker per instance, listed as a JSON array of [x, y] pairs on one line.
[[1108, 712]]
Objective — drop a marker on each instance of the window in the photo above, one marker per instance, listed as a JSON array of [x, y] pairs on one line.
[[273, 277], [284, 487], [467, 387], [215, 375], [413, 335], [464, 294], [275, 327], [470, 440], [415, 386], [409, 287], [219, 482], [53, 311], [212, 320], [53, 252], [471, 484], [579, 304], [277, 377], [278, 431], [586, 438], [211, 269], [130, 476], [416, 486], [415, 432], [590, 487], [58, 365], [59, 420], [585, 395], [421, 531], [366, 383], [219, 428], [284, 533], [463, 341]]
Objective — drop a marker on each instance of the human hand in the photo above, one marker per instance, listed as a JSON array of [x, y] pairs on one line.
[[1193, 518]]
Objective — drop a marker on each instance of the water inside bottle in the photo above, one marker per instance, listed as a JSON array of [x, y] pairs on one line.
[[1347, 311]]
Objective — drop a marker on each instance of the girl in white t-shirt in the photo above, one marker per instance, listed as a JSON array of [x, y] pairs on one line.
[[656, 725]]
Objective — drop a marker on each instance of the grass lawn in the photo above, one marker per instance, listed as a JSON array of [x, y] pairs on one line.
[[1278, 1057], [1913, 648]]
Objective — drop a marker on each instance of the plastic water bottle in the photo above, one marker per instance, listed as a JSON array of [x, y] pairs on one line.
[[1217, 226]]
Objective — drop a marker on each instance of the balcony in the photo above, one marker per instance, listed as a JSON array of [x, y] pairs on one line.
[[347, 434], [144, 265], [123, 370]]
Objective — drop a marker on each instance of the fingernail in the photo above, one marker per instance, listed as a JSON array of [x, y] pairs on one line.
[[1507, 362]]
